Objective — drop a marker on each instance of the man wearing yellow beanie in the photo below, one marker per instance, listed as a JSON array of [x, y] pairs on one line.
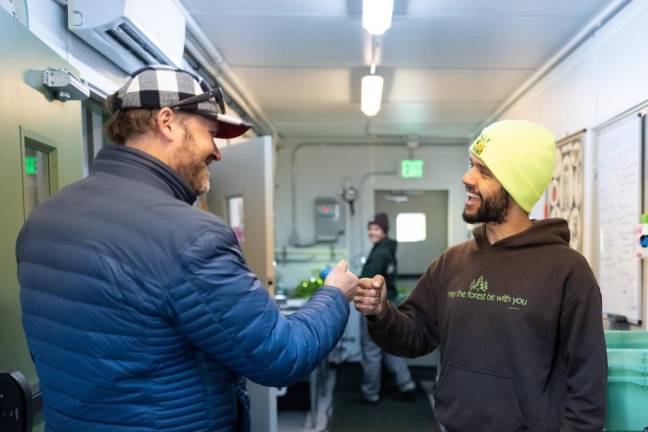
[[520, 156], [516, 313]]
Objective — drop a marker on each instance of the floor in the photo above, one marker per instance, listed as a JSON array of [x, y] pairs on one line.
[[292, 420], [340, 408]]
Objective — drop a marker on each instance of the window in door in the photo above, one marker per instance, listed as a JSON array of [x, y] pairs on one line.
[[410, 227], [236, 218], [39, 171]]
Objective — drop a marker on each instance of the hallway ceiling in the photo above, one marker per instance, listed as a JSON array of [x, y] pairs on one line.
[[447, 64]]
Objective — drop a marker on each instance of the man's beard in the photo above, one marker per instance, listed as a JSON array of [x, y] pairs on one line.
[[491, 210], [192, 166]]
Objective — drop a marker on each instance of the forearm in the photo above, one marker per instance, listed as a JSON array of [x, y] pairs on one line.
[[400, 333], [303, 339]]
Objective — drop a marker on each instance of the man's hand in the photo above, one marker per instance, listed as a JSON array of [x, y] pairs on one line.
[[371, 298], [342, 279]]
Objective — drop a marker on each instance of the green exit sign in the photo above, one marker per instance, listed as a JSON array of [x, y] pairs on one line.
[[31, 165], [411, 168]]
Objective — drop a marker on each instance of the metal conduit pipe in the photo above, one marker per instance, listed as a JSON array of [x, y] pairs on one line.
[[294, 235], [206, 64], [233, 85], [592, 26]]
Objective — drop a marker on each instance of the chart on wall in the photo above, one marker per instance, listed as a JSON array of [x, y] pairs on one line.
[[565, 192], [619, 158]]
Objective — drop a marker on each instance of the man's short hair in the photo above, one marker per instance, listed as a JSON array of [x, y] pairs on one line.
[[125, 125]]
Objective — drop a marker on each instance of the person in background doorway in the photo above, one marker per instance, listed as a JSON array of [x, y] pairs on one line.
[[140, 311], [516, 313], [382, 261]]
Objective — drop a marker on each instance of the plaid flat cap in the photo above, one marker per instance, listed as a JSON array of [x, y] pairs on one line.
[[155, 87]]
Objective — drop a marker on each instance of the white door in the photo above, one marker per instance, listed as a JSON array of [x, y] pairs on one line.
[[241, 193], [242, 186]]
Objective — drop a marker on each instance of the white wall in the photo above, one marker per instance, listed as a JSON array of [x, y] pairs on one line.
[[322, 170], [48, 21], [604, 77]]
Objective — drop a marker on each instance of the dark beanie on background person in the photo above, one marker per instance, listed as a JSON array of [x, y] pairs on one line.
[[381, 220]]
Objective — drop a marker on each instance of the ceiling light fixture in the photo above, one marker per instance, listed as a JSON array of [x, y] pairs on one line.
[[377, 15], [371, 93]]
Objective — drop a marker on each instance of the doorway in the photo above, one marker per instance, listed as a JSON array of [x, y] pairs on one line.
[[419, 222]]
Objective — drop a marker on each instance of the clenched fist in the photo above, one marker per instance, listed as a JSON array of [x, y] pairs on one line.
[[371, 297], [342, 279]]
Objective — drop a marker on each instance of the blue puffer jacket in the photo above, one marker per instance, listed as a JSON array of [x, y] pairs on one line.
[[141, 314]]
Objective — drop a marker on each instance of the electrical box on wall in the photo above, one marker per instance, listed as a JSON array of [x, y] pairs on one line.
[[328, 219]]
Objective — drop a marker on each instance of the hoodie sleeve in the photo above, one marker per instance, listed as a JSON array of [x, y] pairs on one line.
[[581, 333], [412, 329], [223, 309]]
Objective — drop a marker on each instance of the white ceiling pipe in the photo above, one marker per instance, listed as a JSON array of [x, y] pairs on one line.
[[294, 239], [226, 76], [592, 26], [207, 65]]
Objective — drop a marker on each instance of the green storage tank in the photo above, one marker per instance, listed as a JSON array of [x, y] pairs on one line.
[[627, 391]]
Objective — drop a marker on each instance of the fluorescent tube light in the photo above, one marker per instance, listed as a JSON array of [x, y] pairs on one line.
[[377, 15], [371, 94]]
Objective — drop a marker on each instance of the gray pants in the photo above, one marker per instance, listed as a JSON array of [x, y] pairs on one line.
[[372, 357]]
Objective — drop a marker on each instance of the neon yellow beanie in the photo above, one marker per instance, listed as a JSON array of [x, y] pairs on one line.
[[521, 156]]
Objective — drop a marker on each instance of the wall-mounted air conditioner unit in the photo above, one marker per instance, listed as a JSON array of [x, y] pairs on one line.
[[131, 33]]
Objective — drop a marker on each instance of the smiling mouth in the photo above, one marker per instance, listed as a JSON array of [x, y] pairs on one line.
[[472, 198]]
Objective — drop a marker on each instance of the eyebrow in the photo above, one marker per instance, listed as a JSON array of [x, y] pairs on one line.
[[481, 166], [485, 169]]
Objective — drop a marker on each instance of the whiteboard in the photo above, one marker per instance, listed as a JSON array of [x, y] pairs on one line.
[[619, 156]]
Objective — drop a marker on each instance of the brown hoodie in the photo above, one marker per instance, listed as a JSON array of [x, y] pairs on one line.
[[519, 327]]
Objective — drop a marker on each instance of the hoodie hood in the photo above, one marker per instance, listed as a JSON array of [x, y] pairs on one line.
[[388, 243], [542, 232]]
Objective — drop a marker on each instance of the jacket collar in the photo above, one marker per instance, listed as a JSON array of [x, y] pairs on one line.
[[140, 166]]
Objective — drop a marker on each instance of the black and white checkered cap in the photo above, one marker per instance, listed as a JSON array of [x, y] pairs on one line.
[[156, 87]]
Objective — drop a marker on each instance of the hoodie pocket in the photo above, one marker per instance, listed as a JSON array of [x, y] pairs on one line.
[[469, 400]]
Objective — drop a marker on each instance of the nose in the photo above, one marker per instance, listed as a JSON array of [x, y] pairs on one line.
[[217, 153], [468, 178]]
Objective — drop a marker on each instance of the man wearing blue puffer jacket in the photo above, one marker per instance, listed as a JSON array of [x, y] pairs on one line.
[[139, 309]]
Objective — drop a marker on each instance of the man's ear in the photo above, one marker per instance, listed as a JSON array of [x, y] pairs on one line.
[[167, 123]]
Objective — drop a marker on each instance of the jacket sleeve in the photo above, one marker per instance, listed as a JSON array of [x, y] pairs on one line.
[[412, 329], [221, 306], [581, 333]]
